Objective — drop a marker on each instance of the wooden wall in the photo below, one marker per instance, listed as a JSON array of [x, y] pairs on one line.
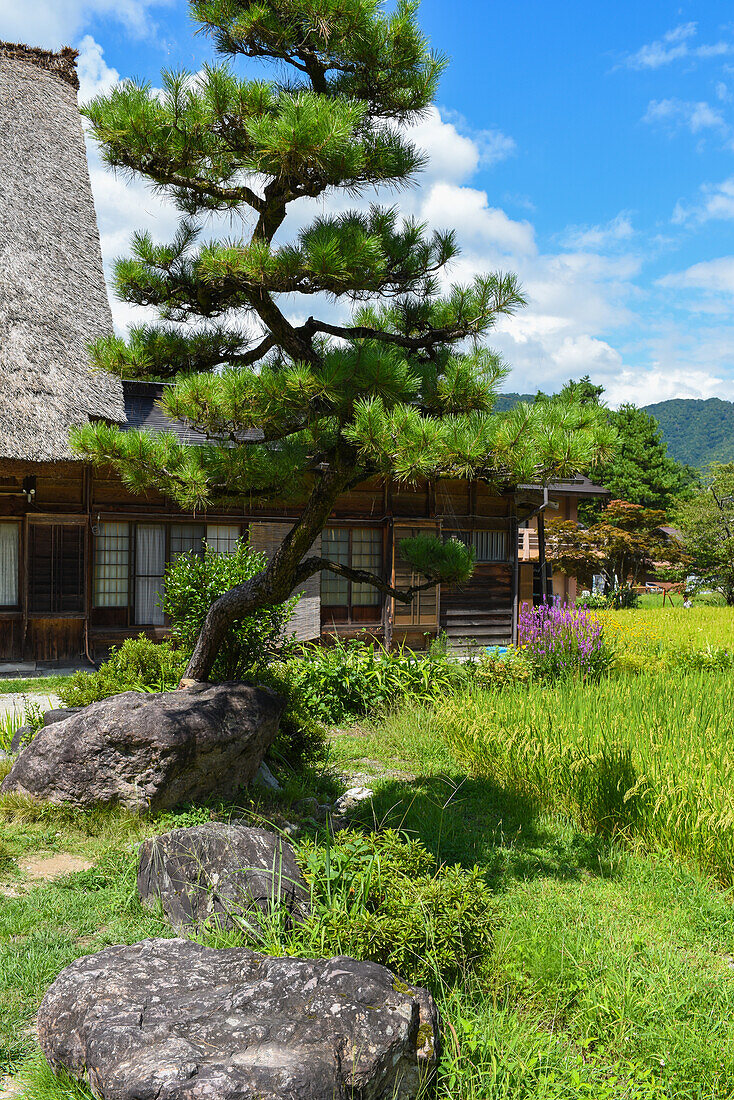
[[73, 491]]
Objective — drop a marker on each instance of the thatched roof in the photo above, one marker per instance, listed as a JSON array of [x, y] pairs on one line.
[[53, 300]]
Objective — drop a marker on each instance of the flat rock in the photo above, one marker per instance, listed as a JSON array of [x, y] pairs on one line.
[[172, 1020], [60, 714], [223, 875], [151, 752]]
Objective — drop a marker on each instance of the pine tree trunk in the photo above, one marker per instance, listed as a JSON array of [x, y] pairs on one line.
[[276, 582]]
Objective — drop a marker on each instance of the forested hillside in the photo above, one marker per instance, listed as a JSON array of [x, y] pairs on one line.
[[696, 431]]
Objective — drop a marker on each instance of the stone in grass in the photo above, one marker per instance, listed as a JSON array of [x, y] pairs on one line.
[[151, 752], [223, 875], [352, 798], [172, 1020]]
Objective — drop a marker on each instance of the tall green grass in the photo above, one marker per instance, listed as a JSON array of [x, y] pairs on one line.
[[646, 755]]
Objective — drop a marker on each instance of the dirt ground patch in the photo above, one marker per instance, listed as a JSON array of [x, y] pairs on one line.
[[9, 1088], [46, 867]]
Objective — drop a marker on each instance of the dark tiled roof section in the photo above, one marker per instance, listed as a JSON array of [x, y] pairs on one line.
[[143, 411]]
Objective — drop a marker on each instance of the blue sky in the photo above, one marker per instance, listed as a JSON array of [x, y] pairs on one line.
[[589, 147]]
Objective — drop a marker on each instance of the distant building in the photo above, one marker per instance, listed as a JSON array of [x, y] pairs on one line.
[[81, 559]]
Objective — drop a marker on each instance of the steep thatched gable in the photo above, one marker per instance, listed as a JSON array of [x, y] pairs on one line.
[[53, 300]]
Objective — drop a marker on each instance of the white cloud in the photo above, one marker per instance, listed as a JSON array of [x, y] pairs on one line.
[[659, 383], [714, 276], [454, 151], [56, 23], [679, 113], [609, 235], [467, 210], [674, 45], [671, 46], [449, 154], [717, 202], [95, 75]]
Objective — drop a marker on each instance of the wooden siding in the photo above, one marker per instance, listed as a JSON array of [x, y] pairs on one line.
[[306, 622], [70, 492]]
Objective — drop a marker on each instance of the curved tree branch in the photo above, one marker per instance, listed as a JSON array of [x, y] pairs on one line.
[[309, 566]]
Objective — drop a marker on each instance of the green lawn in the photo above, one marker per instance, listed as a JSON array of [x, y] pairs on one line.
[[41, 685]]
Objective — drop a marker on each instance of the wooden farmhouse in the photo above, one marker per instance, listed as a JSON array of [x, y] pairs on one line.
[[81, 559]]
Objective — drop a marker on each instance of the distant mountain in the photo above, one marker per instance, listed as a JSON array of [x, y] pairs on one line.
[[508, 400], [696, 431]]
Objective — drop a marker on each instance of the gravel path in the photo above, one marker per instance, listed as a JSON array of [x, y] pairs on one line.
[[15, 703]]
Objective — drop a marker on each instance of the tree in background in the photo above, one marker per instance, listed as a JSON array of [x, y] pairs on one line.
[[641, 471], [626, 543], [306, 409], [706, 521]]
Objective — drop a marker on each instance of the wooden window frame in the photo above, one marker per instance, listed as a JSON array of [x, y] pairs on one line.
[[328, 615], [56, 592], [14, 608], [101, 613]]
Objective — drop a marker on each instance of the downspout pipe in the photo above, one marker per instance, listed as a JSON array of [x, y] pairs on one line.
[[539, 511]]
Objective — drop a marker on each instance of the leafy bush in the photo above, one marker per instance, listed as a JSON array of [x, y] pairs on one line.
[[382, 897], [194, 582], [592, 601], [560, 641], [623, 598], [496, 670], [352, 679], [137, 665], [301, 737]]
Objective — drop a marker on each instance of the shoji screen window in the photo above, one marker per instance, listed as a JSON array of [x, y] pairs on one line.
[[186, 537], [366, 554], [335, 589], [150, 563], [349, 601], [112, 565], [9, 560], [222, 538]]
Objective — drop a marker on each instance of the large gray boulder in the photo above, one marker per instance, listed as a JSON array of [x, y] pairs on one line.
[[224, 875], [172, 1020], [151, 752]]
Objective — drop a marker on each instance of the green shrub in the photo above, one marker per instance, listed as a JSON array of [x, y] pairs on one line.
[[623, 597], [382, 897], [592, 601], [301, 738], [497, 670], [352, 679], [192, 584], [137, 665]]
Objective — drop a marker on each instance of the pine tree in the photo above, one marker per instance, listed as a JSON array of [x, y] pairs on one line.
[[403, 387]]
